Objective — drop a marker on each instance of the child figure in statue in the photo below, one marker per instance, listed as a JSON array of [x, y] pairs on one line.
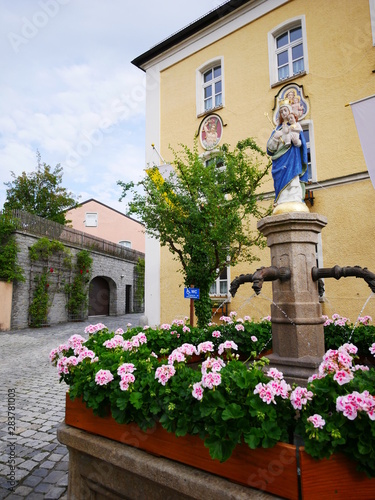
[[288, 151]]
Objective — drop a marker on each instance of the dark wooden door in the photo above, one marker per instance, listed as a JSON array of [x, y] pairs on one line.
[[99, 297], [128, 292]]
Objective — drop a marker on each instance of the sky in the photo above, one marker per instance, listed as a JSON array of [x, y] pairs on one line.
[[68, 88]]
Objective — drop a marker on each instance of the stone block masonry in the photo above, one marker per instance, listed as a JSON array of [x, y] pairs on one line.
[[117, 271]]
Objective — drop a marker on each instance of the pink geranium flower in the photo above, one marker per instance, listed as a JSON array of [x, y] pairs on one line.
[[164, 373], [126, 380], [197, 391], [265, 392], [228, 344], [299, 397], [343, 377], [103, 377], [317, 421], [204, 347], [211, 380], [213, 364], [125, 368]]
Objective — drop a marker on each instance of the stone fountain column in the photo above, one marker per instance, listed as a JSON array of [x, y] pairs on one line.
[[297, 324]]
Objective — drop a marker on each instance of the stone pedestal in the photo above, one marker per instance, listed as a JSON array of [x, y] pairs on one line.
[[104, 469], [297, 324]]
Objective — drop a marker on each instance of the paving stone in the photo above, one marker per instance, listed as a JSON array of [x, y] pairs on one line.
[[64, 480], [54, 493], [62, 465], [61, 449], [23, 490], [31, 481], [40, 472], [45, 429], [40, 408], [42, 487], [28, 433], [50, 447], [47, 464], [54, 476], [21, 473], [29, 465], [3, 493]]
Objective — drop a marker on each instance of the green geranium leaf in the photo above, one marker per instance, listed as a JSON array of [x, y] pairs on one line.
[[253, 438], [136, 399], [121, 403], [233, 411], [219, 449], [272, 431], [363, 447]]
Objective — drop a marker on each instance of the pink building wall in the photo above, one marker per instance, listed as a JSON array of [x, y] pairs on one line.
[[111, 224]]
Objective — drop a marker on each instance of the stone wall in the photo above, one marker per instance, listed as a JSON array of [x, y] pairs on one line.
[[118, 272]]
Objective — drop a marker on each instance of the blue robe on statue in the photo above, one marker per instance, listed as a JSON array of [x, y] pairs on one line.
[[288, 162]]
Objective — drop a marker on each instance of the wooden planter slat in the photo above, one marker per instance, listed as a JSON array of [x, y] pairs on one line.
[[336, 477], [273, 470]]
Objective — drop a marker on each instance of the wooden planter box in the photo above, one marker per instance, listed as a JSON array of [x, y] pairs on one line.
[[272, 470]]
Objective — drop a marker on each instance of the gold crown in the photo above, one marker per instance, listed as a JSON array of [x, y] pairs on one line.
[[284, 102]]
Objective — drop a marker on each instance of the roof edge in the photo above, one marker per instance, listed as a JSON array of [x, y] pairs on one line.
[[103, 205], [189, 30]]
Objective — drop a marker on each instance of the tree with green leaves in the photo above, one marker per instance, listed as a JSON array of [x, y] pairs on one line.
[[204, 212], [40, 193]]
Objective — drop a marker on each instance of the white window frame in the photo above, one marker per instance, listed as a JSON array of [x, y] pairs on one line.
[[372, 17], [91, 219], [272, 51], [217, 284], [308, 125], [125, 243], [217, 61]]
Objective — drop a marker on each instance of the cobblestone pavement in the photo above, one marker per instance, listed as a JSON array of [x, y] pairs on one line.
[[32, 405]]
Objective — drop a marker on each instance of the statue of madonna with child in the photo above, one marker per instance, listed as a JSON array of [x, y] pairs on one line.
[[288, 151]]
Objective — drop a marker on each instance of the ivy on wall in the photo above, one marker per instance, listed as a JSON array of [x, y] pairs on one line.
[[77, 291], [48, 278], [10, 271]]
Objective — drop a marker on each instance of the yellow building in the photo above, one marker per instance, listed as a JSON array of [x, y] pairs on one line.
[[234, 63]]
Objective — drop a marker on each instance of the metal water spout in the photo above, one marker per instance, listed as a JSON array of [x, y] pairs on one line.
[[338, 272], [262, 274]]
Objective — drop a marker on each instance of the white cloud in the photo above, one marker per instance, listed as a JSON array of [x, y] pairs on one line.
[[70, 91]]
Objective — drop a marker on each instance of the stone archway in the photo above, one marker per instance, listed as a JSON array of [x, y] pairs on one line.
[[99, 297]]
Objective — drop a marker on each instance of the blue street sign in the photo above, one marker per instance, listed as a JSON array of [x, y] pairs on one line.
[[191, 293]]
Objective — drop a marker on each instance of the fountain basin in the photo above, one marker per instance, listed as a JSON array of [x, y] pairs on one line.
[[116, 461]]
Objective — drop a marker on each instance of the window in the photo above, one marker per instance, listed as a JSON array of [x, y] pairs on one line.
[[214, 160], [91, 219], [210, 87], [288, 50], [308, 132], [220, 286], [125, 243]]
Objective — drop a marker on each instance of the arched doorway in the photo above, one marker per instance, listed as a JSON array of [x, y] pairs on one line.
[[99, 297]]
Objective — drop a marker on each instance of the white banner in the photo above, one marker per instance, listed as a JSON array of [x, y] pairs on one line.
[[364, 117]]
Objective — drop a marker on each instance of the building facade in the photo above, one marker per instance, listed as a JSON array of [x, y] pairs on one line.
[[96, 218], [220, 78]]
